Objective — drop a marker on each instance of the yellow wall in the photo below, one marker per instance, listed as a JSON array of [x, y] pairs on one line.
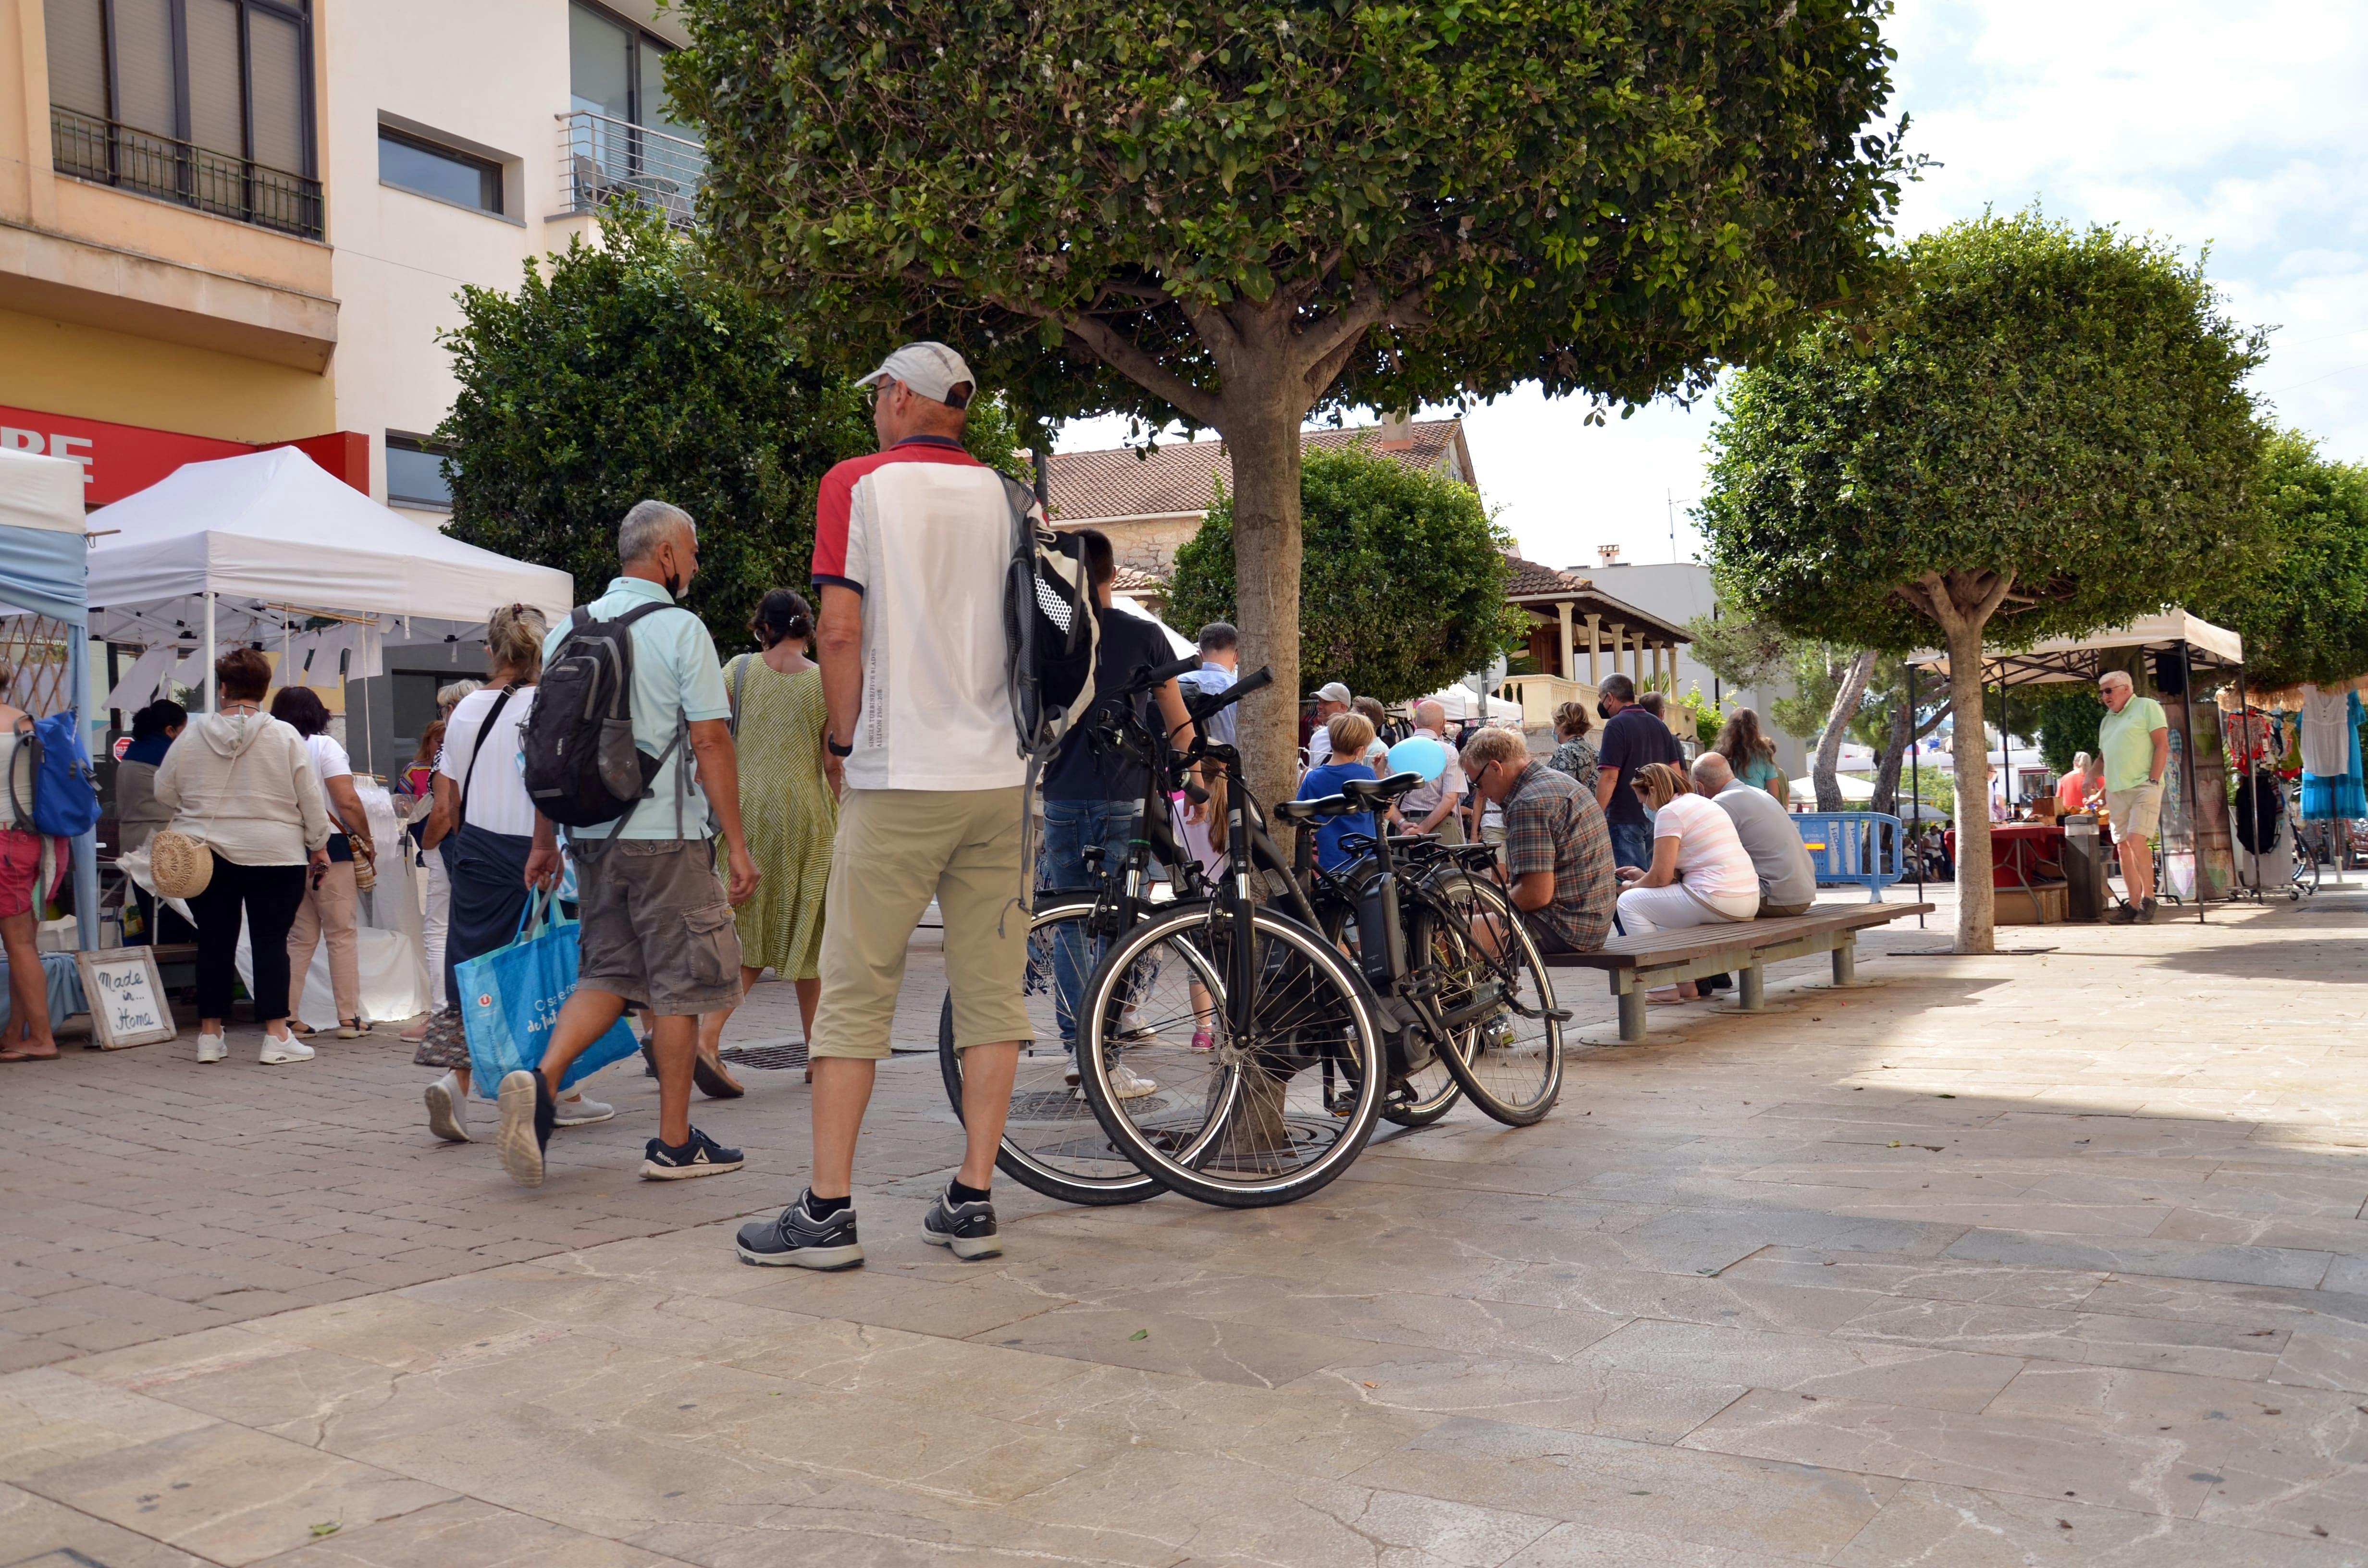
[[60, 367]]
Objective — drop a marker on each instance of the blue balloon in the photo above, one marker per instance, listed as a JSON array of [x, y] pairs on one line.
[[1418, 754]]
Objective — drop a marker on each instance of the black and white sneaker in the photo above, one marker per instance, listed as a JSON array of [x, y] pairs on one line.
[[967, 1228], [797, 1240], [702, 1156], [528, 1113]]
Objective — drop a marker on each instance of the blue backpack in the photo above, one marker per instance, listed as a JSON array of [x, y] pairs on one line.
[[65, 788]]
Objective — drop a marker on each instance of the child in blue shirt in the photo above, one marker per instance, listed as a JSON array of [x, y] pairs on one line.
[[1350, 735]]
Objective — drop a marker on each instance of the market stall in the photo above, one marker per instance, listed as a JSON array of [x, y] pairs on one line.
[[44, 638], [269, 550]]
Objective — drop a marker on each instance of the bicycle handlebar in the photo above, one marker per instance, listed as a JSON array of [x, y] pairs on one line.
[[1146, 676], [1211, 702]]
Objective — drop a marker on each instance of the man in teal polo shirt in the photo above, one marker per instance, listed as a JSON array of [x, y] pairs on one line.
[[655, 927], [2135, 740]]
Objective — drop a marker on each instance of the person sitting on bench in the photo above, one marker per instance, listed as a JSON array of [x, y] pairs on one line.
[[1701, 874], [1788, 877], [1557, 850]]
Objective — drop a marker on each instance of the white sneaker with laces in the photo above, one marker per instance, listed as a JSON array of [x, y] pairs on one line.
[[210, 1048], [447, 1112], [1129, 1085], [279, 1049], [574, 1110]]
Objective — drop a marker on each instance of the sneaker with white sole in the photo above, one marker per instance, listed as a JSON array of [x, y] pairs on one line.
[[1125, 1081], [702, 1156], [447, 1114], [966, 1229], [797, 1240], [210, 1048], [279, 1049], [527, 1112], [574, 1110]]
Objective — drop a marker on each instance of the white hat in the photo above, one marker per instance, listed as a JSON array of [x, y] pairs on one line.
[[1332, 691], [930, 368]]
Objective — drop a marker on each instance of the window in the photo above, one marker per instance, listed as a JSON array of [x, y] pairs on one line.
[[229, 77], [204, 102], [614, 70], [415, 473], [421, 166]]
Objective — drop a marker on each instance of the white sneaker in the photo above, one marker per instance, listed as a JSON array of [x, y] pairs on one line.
[[447, 1112], [574, 1110], [279, 1049], [1129, 1085], [210, 1048]]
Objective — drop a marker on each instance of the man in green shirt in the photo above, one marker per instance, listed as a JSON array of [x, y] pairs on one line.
[[2134, 740]]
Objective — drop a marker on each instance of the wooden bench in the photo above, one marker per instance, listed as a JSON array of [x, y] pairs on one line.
[[1742, 948]]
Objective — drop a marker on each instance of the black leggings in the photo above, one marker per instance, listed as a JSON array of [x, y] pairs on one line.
[[271, 895]]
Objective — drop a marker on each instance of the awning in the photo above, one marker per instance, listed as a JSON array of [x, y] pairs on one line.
[[2063, 659]]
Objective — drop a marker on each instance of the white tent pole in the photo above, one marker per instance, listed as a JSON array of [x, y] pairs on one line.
[[210, 694]]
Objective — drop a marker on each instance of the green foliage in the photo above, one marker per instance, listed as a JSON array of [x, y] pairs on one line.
[[1704, 715], [2064, 411], [1404, 589], [633, 370], [2066, 716], [1427, 200], [2305, 617]]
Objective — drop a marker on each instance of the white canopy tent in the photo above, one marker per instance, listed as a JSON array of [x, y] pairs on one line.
[[243, 549], [2078, 658]]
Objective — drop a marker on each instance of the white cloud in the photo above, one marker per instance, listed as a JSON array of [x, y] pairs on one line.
[[2229, 125]]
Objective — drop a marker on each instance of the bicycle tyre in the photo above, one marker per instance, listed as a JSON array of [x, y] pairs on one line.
[[1412, 1113], [1076, 1182], [1467, 1054], [1337, 997]]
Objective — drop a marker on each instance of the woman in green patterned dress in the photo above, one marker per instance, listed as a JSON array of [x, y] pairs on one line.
[[789, 806]]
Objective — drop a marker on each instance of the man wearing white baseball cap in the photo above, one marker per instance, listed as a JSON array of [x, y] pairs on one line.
[[910, 548], [1332, 700]]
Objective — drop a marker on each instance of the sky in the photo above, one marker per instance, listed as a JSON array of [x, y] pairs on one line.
[[2232, 130]]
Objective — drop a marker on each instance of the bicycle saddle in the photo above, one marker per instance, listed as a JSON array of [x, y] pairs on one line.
[[1364, 791], [1310, 811]]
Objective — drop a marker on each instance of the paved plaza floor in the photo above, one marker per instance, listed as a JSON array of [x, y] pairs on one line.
[[2050, 1258]]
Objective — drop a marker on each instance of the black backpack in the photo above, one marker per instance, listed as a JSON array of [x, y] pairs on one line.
[[1051, 633], [581, 767]]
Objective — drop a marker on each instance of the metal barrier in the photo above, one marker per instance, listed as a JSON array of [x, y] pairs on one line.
[[603, 160], [1854, 850], [103, 152]]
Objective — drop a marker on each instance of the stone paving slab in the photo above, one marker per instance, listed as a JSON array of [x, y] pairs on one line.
[[2052, 1257]]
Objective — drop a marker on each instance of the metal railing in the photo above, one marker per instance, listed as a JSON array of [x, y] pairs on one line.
[[603, 160], [102, 151]]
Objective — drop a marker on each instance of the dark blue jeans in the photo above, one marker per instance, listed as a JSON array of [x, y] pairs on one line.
[[1070, 828], [1632, 843]]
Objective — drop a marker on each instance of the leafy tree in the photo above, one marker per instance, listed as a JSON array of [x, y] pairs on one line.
[[2066, 715], [2047, 429], [633, 371], [1236, 213], [2305, 617], [1404, 589]]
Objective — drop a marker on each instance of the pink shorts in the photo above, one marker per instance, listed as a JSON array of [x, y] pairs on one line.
[[20, 868]]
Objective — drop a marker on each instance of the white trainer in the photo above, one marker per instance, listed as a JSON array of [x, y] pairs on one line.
[[447, 1112], [574, 1110], [279, 1049], [1129, 1085], [210, 1048]]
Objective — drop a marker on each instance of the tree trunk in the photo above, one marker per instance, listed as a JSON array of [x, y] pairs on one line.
[[1829, 744], [1977, 894], [1895, 750], [1262, 439]]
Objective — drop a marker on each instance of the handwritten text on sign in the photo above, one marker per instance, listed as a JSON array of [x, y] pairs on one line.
[[131, 1005]]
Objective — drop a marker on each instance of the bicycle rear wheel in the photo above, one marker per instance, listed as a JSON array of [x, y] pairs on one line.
[[1248, 1122], [1051, 1142], [1509, 1058]]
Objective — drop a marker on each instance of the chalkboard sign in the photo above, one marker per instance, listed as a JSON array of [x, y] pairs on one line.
[[126, 996]]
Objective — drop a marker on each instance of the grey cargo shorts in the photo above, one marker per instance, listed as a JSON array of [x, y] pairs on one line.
[[657, 925]]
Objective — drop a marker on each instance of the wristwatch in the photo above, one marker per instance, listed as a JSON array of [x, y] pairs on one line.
[[836, 749]]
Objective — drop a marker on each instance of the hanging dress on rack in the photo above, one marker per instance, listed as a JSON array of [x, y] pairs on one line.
[[2330, 755]]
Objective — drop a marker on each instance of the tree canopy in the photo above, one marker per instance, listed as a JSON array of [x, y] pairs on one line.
[[1235, 212], [2305, 615], [631, 371], [1404, 589], [2044, 433]]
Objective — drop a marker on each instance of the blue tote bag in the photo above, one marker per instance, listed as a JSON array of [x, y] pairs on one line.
[[510, 1000]]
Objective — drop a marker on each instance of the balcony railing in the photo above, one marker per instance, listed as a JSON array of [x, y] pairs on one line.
[[101, 150], [603, 160]]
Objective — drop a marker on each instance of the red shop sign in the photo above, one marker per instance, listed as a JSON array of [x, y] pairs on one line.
[[121, 459]]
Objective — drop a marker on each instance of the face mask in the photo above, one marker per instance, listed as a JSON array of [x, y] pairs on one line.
[[674, 586], [1601, 710]]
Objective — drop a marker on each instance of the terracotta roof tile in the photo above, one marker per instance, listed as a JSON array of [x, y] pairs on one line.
[[1177, 481], [1131, 580]]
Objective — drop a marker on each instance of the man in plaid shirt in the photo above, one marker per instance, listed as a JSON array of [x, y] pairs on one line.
[[1557, 848]]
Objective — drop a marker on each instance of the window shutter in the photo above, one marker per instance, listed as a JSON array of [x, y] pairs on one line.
[[215, 121], [77, 30], [144, 97], [276, 49]]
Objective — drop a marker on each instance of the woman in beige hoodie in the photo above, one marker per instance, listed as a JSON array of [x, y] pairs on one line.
[[243, 782]]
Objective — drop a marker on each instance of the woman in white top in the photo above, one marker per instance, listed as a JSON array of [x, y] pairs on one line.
[[1701, 873], [330, 895], [241, 782], [483, 827]]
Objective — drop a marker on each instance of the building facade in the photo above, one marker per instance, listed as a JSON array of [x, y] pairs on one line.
[[234, 223]]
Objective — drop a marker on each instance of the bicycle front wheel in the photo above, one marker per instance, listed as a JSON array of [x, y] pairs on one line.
[[1241, 1122], [1507, 1056], [1052, 1143]]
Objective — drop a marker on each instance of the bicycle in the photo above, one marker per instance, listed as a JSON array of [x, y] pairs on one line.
[[1051, 1142]]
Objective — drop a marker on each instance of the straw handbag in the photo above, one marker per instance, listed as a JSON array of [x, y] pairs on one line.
[[179, 864]]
